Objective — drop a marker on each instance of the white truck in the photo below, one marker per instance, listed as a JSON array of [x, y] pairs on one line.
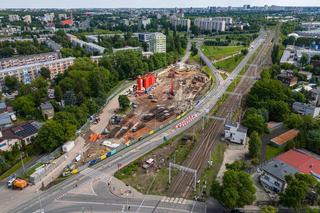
[[67, 146]]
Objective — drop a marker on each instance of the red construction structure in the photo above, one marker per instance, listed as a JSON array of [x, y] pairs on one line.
[[139, 83], [145, 81]]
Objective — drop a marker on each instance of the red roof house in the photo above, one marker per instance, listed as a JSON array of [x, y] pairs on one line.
[[67, 22], [305, 162]]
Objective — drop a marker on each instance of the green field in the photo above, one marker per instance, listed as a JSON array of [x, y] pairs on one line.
[[15, 168], [230, 63], [273, 151], [219, 52]]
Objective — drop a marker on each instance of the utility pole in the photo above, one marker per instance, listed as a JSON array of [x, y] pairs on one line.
[[24, 170]]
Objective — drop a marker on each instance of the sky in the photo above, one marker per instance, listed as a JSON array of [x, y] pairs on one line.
[[147, 3]]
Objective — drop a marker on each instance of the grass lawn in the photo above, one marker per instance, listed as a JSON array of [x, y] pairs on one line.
[[273, 151], [15, 168], [194, 59], [230, 63], [206, 70], [219, 52]]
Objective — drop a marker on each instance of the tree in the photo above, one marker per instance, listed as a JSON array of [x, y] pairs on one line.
[[50, 136], [298, 191], [237, 189], [254, 145], [58, 94], [45, 72], [255, 122], [11, 82], [304, 60], [6, 52], [294, 121], [268, 209], [239, 165], [24, 106], [124, 102], [244, 51], [194, 50], [275, 55]]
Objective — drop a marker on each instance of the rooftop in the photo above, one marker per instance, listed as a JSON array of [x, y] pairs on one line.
[[304, 161], [279, 169], [46, 106], [21, 130], [285, 137]]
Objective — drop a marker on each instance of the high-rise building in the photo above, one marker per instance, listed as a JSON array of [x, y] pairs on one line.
[[175, 21], [27, 19], [210, 24], [14, 18], [157, 43]]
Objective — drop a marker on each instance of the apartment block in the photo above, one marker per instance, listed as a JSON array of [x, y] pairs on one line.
[[175, 21], [13, 18], [210, 24], [27, 19], [26, 60], [29, 72], [88, 46]]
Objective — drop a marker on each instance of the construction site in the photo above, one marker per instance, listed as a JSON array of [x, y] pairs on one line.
[[156, 99]]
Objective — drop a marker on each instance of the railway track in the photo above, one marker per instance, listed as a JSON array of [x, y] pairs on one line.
[[182, 183]]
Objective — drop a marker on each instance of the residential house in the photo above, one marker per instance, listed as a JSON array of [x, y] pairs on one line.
[[18, 134], [47, 110], [273, 177], [289, 163], [315, 96], [288, 78], [306, 109], [306, 74]]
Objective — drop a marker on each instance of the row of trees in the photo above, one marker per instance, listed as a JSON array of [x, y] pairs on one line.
[[8, 49]]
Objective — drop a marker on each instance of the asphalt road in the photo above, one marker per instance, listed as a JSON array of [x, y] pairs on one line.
[[57, 198]]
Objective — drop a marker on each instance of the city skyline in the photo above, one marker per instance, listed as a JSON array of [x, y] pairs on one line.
[[147, 4]]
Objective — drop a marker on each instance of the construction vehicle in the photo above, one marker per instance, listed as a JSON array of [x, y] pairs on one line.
[[16, 183]]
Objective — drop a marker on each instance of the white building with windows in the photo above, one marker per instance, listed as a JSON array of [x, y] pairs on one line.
[[157, 43], [273, 177], [235, 133], [210, 24], [13, 18], [183, 22]]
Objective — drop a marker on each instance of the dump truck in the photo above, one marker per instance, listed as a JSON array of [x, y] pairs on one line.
[[19, 184]]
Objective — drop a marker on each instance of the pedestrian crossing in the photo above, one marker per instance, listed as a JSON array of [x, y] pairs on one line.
[[175, 200]]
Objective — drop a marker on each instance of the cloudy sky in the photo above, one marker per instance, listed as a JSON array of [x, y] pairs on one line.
[[146, 3]]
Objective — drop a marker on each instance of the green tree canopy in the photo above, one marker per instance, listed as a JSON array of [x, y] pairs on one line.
[[11, 82], [237, 189], [254, 145]]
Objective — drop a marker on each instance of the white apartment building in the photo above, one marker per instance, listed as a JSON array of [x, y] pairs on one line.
[[29, 72], [90, 47], [144, 22], [14, 18], [157, 43], [228, 20], [48, 17], [27, 19], [210, 24], [175, 21]]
